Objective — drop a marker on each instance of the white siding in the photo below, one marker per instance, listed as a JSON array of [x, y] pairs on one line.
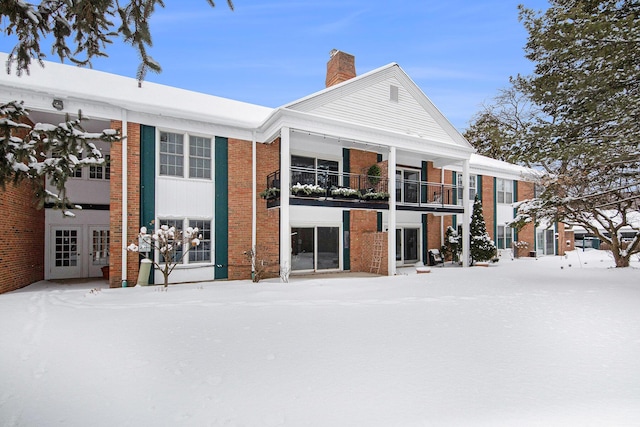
[[184, 198], [371, 106]]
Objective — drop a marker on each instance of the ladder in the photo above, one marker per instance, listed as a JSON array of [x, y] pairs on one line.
[[376, 258]]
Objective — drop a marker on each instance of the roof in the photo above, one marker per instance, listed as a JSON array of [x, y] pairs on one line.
[[124, 92], [479, 164]]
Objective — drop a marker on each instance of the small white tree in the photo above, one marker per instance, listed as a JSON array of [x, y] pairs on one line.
[[173, 245]]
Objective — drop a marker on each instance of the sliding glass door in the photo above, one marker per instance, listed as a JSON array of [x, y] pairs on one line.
[[315, 248]]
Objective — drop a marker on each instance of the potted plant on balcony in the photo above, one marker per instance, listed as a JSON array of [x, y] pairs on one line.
[[373, 174], [381, 196], [270, 193], [345, 193], [308, 190]]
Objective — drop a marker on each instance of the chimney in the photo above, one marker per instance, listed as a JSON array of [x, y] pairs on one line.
[[340, 67]]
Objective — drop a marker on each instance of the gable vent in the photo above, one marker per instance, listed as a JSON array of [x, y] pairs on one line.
[[393, 93]]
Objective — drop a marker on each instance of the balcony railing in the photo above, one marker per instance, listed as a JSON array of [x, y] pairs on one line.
[[324, 184]]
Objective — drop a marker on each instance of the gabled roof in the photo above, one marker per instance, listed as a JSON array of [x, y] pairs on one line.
[[366, 100]]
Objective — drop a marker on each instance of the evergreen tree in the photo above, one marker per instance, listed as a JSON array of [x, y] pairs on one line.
[[481, 247], [575, 119], [44, 150], [80, 29], [587, 83]]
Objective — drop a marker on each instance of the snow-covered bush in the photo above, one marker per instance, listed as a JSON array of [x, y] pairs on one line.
[[171, 244]]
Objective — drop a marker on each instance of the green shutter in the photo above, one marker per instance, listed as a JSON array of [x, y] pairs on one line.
[[495, 209], [379, 158], [379, 221], [454, 183], [515, 210], [425, 258], [479, 186], [221, 208], [147, 174], [346, 234], [346, 167], [423, 178], [148, 180]]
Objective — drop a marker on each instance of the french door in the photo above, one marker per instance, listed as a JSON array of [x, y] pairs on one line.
[[66, 252], [99, 250]]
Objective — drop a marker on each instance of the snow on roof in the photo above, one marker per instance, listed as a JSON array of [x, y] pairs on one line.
[[70, 81], [480, 163]]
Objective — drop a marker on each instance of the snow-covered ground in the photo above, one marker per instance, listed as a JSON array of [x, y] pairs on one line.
[[547, 342]]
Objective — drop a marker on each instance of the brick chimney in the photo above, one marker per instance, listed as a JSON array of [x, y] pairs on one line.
[[340, 67]]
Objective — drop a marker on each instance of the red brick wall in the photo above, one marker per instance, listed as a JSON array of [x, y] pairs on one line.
[[268, 220], [22, 229], [527, 233], [368, 240], [133, 200], [433, 233], [240, 207], [360, 161], [488, 205], [565, 236], [361, 222]]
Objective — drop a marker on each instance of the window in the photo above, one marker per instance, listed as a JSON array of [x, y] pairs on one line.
[[171, 154], [199, 157], [473, 185], [102, 171], [202, 252], [309, 170], [407, 186], [505, 237], [77, 173], [177, 223], [504, 189]]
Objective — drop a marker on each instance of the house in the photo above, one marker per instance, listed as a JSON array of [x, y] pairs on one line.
[[372, 151]]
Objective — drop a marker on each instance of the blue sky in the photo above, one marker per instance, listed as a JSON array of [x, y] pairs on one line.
[[270, 53]]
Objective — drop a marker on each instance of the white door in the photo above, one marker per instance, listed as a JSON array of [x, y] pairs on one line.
[[65, 253], [98, 250]]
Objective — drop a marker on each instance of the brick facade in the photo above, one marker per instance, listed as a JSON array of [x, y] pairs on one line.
[[22, 229], [268, 220], [133, 209], [240, 187], [360, 161], [528, 232]]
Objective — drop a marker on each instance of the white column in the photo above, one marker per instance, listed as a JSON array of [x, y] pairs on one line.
[[466, 216], [391, 248], [125, 205], [285, 184]]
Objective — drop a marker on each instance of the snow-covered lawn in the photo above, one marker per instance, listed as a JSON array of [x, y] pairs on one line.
[[544, 342]]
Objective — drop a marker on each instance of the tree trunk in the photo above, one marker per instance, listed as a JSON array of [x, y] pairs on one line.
[[621, 260]]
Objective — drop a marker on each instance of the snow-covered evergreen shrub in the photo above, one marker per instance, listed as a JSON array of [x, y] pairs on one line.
[[481, 247]]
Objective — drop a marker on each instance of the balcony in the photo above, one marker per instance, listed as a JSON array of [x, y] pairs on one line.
[[312, 187]]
